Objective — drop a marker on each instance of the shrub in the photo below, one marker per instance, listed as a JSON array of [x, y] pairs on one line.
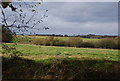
[[74, 42], [111, 43], [38, 41], [88, 44], [23, 40], [58, 42], [7, 35], [108, 43], [117, 42], [11, 50], [49, 41]]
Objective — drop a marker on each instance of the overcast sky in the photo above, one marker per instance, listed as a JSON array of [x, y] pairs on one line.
[[75, 18], [81, 18]]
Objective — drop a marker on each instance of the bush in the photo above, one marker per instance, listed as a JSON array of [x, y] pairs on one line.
[[7, 35], [23, 40], [111, 43], [58, 42], [38, 41], [66, 69], [117, 43], [49, 41], [88, 44], [11, 50], [74, 42]]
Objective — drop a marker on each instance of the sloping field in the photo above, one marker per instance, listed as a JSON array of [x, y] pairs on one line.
[[36, 52], [44, 63]]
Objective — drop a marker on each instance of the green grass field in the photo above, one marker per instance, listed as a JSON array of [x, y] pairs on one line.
[[36, 52], [61, 63]]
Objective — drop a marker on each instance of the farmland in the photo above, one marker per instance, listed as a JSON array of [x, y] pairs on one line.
[[50, 62], [59, 41], [36, 52]]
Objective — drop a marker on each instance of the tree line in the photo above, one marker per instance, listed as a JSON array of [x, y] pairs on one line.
[[109, 43]]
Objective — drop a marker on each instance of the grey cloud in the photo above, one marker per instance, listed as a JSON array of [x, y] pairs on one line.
[[82, 18], [79, 17], [84, 12]]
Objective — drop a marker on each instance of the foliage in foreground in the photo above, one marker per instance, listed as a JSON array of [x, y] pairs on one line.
[[60, 69], [11, 50], [7, 34]]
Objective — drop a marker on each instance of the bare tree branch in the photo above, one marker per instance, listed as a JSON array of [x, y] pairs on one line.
[[21, 22], [4, 17]]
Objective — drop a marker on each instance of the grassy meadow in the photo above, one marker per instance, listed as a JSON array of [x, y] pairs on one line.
[[36, 52], [59, 62]]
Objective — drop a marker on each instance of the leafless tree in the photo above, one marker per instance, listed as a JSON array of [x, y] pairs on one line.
[[17, 20]]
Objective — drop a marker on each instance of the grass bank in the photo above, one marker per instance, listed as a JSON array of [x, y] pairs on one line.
[[60, 69]]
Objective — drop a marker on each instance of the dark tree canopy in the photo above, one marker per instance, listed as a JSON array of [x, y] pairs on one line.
[[6, 35]]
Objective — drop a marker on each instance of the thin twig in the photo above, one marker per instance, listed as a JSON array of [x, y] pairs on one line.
[[4, 16]]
